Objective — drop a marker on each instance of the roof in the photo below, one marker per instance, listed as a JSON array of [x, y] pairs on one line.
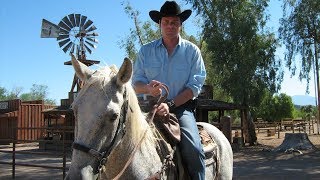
[[58, 110], [210, 104]]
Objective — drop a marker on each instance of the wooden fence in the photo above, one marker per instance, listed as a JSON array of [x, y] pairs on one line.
[[58, 153]]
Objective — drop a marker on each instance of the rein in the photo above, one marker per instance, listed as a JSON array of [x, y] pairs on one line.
[[160, 100]]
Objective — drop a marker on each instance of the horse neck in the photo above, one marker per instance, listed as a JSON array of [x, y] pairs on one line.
[[138, 139]]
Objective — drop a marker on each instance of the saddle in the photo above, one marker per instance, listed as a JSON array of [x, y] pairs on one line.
[[173, 167], [169, 128]]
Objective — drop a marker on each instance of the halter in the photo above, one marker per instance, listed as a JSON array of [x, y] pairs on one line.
[[103, 156]]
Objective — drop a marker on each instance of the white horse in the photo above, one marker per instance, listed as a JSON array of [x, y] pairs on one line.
[[113, 139]]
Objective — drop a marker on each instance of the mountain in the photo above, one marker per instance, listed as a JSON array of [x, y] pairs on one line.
[[303, 100]]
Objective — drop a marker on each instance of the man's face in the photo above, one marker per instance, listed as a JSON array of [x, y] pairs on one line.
[[170, 26]]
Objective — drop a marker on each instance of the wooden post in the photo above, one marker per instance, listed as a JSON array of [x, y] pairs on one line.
[[64, 159], [14, 158], [226, 127]]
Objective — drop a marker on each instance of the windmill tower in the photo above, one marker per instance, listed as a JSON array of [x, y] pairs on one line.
[[75, 34]]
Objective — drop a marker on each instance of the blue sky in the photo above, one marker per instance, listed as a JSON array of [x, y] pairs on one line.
[[27, 59]]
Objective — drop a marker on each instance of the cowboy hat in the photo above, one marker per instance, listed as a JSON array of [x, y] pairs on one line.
[[169, 8]]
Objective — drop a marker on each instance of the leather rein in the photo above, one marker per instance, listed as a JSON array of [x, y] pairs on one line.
[[103, 156]]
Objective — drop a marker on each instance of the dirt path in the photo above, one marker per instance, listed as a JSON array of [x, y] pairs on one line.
[[250, 162], [259, 162]]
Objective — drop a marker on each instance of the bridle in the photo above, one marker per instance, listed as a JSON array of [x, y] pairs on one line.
[[102, 157]]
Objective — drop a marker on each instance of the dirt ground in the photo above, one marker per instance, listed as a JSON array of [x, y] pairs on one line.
[[260, 162], [250, 162]]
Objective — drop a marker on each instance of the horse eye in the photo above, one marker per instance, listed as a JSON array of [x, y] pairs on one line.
[[114, 116]]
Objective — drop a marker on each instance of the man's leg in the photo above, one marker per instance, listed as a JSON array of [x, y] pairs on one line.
[[190, 145]]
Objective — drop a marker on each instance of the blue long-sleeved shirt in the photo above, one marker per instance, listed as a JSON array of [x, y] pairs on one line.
[[183, 69]]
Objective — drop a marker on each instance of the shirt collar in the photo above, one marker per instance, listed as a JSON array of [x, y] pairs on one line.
[[159, 43]]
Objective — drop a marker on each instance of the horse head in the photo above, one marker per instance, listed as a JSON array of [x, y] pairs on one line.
[[100, 110]]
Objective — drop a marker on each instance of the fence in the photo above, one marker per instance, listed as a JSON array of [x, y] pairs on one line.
[[65, 144]]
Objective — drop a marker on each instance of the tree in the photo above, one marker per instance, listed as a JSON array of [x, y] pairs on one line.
[[243, 53], [37, 92], [299, 32], [3, 92], [275, 108], [142, 33]]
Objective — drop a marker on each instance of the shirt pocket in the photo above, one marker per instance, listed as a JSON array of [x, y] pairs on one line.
[[153, 70], [181, 74]]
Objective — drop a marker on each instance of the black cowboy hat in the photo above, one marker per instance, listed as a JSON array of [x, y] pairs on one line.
[[169, 8]]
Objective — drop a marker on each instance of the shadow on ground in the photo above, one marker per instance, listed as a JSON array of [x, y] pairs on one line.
[[259, 162]]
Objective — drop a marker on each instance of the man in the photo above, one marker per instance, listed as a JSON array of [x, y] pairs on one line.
[[177, 63]]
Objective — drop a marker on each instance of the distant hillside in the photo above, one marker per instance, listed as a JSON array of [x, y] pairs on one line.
[[303, 100]]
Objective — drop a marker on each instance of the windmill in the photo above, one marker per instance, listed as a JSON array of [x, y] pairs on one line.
[[75, 34]]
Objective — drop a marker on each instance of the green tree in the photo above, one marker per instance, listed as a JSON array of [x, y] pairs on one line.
[[300, 33], [3, 92], [284, 107], [37, 92], [308, 111], [275, 107], [14, 93], [243, 52]]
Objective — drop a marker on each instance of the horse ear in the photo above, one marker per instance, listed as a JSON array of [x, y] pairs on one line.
[[83, 72], [125, 72]]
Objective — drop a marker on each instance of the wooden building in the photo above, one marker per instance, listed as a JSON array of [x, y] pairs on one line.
[[20, 119]]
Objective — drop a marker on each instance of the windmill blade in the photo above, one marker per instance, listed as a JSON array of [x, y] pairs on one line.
[[65, 49], [93, 40], [63, 31], [87, 24], [62, 43], [49, 30], [92, 45], [83, 20], [77, 16], [92, 28], [87, 48], [67, 22], [64, 26], [62, 36], [72, 20]]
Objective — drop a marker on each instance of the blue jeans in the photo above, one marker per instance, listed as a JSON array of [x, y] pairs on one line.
[[190, 145]]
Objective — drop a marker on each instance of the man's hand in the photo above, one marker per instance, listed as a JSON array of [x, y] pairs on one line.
[[163, 109], [154, 88]]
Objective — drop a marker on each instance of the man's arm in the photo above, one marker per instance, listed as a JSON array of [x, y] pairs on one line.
[[183, 97], [153, 88]]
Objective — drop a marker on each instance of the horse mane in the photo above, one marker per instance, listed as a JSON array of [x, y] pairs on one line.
[[138, 119]]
